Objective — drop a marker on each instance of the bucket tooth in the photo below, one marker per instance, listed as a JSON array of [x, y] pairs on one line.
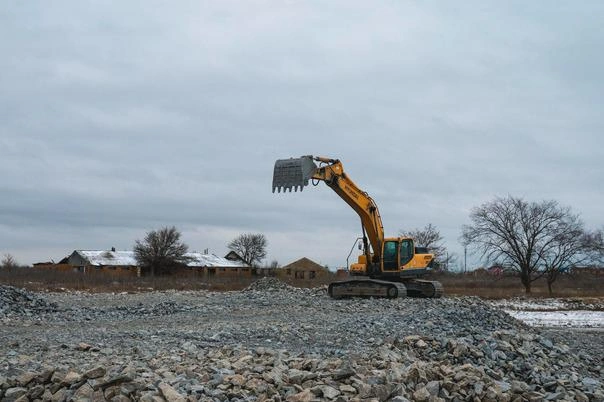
[[293, 174]]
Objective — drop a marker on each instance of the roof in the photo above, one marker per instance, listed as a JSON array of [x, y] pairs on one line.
[[234, 256], [108, 257], [127, 258], [303, 264], [212, 260]]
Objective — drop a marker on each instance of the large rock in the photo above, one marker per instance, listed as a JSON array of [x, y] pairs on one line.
[[12, 394], [170, 393]]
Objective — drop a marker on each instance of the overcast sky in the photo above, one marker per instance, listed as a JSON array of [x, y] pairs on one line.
[[120, 118]]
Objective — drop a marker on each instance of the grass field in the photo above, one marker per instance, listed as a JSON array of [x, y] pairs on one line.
[[469, 284], [498, 287]]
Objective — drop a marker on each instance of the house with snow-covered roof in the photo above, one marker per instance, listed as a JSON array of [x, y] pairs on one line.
[[123, 263], [114, 262]]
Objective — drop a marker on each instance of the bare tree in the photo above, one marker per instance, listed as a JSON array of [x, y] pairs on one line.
[[569, 246], [161, 251], [8, 262], [430, 238], [250, 247], [595, 246], [527, 236]]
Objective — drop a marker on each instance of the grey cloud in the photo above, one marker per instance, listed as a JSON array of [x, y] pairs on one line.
[[145, 114]]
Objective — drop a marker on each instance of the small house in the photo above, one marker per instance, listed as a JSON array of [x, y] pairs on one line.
[[303, 269], [110, 262]]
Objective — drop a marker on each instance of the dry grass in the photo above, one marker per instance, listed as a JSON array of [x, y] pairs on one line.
[[498, 287], [46, 280], [470, 284]]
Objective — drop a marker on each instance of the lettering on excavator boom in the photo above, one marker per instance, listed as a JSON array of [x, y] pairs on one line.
[[351, 191]]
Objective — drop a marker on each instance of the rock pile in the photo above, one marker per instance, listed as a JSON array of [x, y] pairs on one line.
[[416, 368], [18, 302], [286, 345], [269, 284]]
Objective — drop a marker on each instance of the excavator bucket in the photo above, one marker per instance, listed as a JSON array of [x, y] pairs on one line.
[[293, 173]]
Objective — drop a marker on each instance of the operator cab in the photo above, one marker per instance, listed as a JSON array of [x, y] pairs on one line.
[[397, 253]]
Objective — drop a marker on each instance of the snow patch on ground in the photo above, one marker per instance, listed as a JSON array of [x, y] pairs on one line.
[[532, 305], [567, 313], [567, 318]]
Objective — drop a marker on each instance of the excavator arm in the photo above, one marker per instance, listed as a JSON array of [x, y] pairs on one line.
[[295, 173]]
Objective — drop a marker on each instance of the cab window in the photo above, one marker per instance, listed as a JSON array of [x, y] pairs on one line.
[[406, 252]]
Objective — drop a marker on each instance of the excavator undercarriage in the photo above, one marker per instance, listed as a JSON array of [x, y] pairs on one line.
[[365, 287]]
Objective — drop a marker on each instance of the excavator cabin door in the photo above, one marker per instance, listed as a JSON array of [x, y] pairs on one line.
[[390, 256], [405, 252]]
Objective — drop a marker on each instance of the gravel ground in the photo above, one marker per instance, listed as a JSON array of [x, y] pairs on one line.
[[274, 342]]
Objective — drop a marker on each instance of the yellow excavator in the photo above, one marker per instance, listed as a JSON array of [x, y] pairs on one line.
[[389, 267]]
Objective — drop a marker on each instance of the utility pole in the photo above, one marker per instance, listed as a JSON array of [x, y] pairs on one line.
[[465, 258]]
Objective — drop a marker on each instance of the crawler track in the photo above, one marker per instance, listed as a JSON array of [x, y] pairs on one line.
[[424, 288], [366, 288], [385, 289]]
